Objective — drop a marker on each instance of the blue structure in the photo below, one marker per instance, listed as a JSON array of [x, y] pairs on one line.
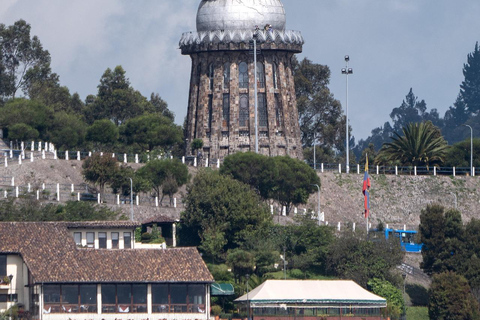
[[407, 239]]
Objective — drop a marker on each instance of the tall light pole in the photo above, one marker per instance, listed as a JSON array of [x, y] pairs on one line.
[[346, 71], [131, 199], [314, 151], [254, 40], [471, 148], [318, 202], [248, 300]]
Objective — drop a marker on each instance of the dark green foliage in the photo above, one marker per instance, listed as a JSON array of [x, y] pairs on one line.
[[149, 132], [442, 236], [221, 213], [421, 145], [258, 171], [289, 181], [351, 257], [35, 116], [32, 210], [241, 261], [469, 89], [418, 294], [395, 302], [458, 155], [21, 58], [103, 134], [67, 131], [100, 169], [159, 106], [196, 144], [319, 112], [164, 176], [450, 298]]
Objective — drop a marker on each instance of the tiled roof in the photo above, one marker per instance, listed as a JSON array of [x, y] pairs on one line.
[[103, 224], [51, 255]]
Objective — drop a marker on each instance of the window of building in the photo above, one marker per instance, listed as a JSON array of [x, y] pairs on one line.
[[160, 301], [226, 75], [199, 72], [139, 293], [102, 240], [178, 298], [278, 112], [109, 301], [70, 297], [243, 75], [262, 110], [3, 265], [114, 240], [127, 240], [90, 239], [275, 75], [260, 74], [210, 75], [196, 296], [88, 298], [7, 297], [124, 298], [226, 110], [77, 236], [210, 111], [243, 110]]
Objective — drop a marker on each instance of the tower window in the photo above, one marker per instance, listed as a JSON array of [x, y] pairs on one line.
[[275, 75], [243, 75], [226, 75], [210, 75], [278, 112], [226, 110], [261, 75], [199, 72], [243, 116], [262, 110], [210, 111]]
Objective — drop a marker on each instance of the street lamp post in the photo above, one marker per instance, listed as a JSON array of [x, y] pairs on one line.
[[248, 300], [254, 40], [471, 148], [346, 71], [318, 202], [11, 295], [314, 151]]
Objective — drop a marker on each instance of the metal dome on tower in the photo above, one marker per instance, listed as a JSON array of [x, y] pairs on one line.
[[240, 14]]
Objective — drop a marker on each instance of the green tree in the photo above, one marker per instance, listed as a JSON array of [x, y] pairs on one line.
[[450, 298], [469, 89], [294, 183], [67, 131], [458, 155], [22, 57], [196, 144], [227, 209], [103, 134], [320, 114], [159, 106], [116, 100], [22, 132], [100, 170], [241, 261], [421, 145], [258, 171], [164, 176], [150, 132], [395, 302], [353, 257], [442, 235], [32, 113]]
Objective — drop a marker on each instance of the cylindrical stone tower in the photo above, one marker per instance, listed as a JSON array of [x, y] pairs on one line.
[[221, 105]]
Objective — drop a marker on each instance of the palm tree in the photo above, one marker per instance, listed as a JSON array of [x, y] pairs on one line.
[[422, 144]]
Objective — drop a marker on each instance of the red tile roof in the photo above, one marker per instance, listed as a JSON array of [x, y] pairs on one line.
[[51, 255]]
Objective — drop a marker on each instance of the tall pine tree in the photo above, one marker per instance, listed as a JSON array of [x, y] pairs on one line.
[[470, 87]]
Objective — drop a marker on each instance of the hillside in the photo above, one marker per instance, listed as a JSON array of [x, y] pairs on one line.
[[395, 200]]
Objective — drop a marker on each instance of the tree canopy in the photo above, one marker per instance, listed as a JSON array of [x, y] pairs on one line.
[[421, 145]]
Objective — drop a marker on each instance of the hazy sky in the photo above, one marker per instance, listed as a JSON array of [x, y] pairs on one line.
[[393, 45]]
